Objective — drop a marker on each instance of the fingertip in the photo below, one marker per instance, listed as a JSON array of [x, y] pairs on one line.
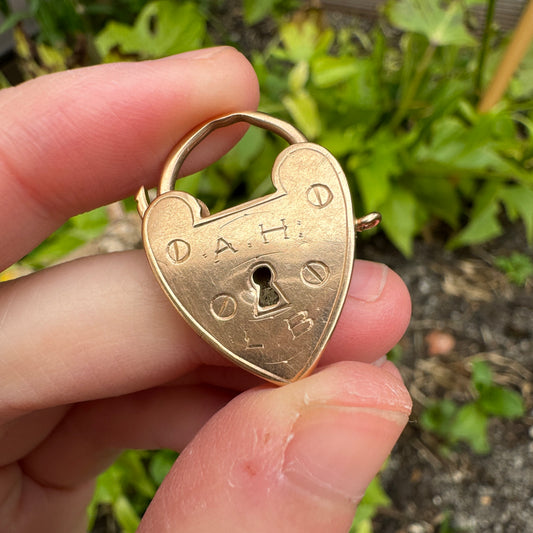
[[295, 458], [375, 315]]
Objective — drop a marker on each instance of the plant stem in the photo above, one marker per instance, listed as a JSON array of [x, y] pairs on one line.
[[484, 46], [413, 86]]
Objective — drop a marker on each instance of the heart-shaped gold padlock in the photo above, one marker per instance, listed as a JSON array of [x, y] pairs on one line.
[[264, 282]]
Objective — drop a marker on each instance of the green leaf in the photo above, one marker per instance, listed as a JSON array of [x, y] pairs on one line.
[[400, 218], [116, 35], [518, 267], [161, 463], [374, 178], [374, 498], [499, 401], [13, 19], [4, 82], [518, 200], [438, 417], [255, 11], [74, 233], [190, 184], [126, 515], [375, 495], [134, 473], [304, 111], [240, 158], [481, 375], [440, 25], [298, 76], [162, 28], [483, 225], [470, 425], [328, 71], [5, 9], [304, 40], [362, 526], [439, 196], [341, 142]]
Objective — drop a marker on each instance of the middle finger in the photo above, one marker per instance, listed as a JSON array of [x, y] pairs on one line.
[[101, 326]]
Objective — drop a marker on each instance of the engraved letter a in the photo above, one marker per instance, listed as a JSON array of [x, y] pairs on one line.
[[222, 246]]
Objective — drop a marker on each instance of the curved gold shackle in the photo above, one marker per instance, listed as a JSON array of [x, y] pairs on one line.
[[184, 148], [180, 152]]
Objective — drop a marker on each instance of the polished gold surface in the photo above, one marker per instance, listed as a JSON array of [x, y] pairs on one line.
[[264, 282]]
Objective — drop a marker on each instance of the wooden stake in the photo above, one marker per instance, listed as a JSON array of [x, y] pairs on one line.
[[516, 50]]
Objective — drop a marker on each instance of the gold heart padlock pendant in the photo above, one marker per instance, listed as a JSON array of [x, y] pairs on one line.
[[264, 282]]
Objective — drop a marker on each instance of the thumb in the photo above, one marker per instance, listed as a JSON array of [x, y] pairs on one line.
[[296, 458]]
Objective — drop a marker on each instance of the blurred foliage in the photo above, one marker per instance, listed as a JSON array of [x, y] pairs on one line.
[[129, 485], [75, 232], [374, 499], [518, 267], [469, 423]]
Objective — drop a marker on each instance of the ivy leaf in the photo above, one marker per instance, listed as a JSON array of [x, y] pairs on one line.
[[499, 401], [470, 425], [441, 26]]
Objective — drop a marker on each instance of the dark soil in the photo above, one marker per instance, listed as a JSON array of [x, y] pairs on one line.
[[461, 293]]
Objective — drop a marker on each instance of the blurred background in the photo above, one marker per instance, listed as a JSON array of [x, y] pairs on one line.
[[428, 106]]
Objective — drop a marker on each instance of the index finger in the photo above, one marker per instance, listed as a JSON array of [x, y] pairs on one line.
[[76, 140]]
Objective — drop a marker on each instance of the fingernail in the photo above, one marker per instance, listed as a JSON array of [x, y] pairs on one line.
[[381, 361], [336, 451], [368, 281], [388, 366]]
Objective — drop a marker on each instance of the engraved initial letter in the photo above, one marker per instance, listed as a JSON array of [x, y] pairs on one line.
[[265, 232], [222, 246], [299, 324], [250, 346]]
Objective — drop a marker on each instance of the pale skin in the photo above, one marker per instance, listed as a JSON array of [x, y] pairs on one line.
[[94, 359]]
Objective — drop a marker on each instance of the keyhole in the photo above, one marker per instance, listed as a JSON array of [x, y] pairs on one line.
[[268, 296]]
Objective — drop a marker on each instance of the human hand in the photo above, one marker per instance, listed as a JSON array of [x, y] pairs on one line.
[[94, 359]]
